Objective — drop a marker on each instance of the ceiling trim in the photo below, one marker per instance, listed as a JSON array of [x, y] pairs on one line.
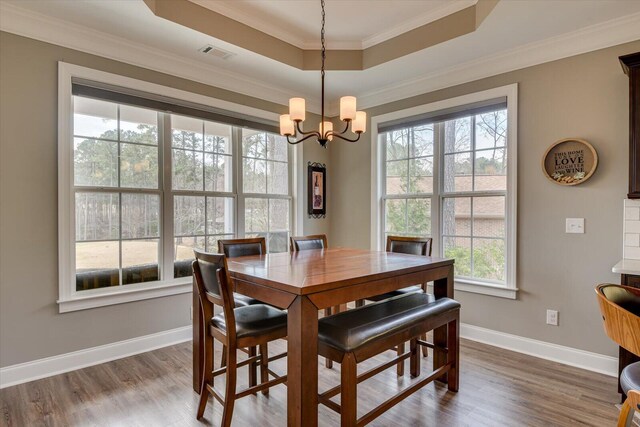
[[599, 36], [37, 26], [196, 16]]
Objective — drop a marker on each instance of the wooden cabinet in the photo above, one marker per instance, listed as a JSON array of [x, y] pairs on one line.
[[631, 66]]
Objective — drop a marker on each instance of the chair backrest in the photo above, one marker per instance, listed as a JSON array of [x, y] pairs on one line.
[[205, 267], [409, 245], [620, 308], [242, 247], [302, 243]]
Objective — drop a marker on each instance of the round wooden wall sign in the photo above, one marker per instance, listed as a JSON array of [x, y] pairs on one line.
[[570, 161]]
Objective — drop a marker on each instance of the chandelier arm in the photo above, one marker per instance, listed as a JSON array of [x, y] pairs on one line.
[[344, 138], [311, 134], [299, 129], [346, 128]]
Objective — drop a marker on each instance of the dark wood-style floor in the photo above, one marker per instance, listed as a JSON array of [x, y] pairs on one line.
[[498, 388]]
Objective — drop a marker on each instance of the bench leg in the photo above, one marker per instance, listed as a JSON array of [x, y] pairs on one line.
[[264, 366], [253, 369], [425, 349], [414, 361], [348, 391], [400, 350], [453, 355]]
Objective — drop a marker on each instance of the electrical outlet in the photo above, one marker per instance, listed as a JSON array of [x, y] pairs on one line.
[[552, 317]]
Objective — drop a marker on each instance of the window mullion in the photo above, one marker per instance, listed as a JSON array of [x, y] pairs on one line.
[[166, 237], [236, 135]]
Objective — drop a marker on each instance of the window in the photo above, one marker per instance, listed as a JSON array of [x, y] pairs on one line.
[[449, 173], [146, 187]]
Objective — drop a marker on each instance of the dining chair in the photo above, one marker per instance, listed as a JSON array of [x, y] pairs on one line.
[[620, 309], [236, 327], [242, 247], [420, 246]]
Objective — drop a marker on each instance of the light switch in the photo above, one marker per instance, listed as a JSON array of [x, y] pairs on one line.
[[575, 225]]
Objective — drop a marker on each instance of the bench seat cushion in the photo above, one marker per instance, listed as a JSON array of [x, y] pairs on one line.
[[254, 320], [352, 329]]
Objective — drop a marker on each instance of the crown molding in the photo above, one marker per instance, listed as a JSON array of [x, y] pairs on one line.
[[599, 36], [33, 25]]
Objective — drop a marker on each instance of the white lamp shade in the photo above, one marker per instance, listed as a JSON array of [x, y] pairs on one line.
[[360, 123], [286, 125], [297, 109], [328, 126], [347, 108]]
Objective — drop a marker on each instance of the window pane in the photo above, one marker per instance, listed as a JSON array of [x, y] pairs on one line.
[[97, 216], [186, 132], [278, 215], [488, 259], [254, 174], [488, 216], [184, 247], [491, 170], [457, 172], [254, 143], [396, 216], [140, 261], [187, 170], [212, 242], [422, 141], [457, 135], [491, 129], [188, 215], [138, 125], [419, 216], [456, 216], [93, 118], [255, 215], [277, 147], [140, 216], [97, 265], [421, 175], [277, 242], [459, 249], [95, 163], [397, 177], [217, 138], [138, 166], [277, 178], [220, 211], [217, 172], [397, 143]]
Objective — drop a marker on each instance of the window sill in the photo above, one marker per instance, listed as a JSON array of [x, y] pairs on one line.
[[107, 297], [486, 289]]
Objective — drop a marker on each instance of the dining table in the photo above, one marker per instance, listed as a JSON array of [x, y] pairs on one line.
[[305, 282]]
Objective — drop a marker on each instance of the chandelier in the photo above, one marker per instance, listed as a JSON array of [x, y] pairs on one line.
[[290, 124]]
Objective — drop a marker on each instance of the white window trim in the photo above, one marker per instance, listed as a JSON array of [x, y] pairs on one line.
[[68, 298], [377, 156]]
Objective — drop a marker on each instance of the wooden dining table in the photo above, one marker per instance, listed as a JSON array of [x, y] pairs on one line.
[[307, 281]]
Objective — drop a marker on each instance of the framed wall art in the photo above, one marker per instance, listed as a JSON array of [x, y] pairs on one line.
[[317, 190], [570, 161]]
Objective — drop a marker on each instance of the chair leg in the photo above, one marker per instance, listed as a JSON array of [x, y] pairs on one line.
[[348, 391], [327, 362], [264, 366], [414, 362], [400, 350], [253, 369], [207, 375], [425, 349], [453, 355], [223, 359], [230, 390], [628, 409]]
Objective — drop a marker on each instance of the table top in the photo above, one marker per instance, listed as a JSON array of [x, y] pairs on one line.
[[310, 271]]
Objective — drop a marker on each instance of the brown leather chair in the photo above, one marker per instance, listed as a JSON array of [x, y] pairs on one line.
[[232, 248], [620, 308], [356, 335], [237, 327]]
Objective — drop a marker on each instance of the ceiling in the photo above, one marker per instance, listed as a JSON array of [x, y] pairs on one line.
[[516, 33]]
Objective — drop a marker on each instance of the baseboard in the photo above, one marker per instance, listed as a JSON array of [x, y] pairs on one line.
[[41, 368], [595, 362]]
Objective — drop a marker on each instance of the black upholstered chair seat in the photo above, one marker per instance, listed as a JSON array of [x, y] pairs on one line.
[[253, 320], [349, 330], [243, 300], [630, 378], [397, 292]]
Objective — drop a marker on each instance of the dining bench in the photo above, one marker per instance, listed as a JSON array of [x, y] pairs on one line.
[[354, 336]]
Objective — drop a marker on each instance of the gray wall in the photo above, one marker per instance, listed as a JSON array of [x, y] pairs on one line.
[[584, 96], [30, 326]]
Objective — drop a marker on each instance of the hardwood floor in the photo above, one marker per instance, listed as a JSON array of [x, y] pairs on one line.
[[497, 388]]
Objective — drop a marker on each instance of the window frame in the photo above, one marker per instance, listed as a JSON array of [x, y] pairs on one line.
[[378, 179], [69, 299]]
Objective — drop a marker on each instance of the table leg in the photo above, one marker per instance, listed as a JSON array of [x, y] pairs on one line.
[[442, 288], [198, 341], [302, 363]]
